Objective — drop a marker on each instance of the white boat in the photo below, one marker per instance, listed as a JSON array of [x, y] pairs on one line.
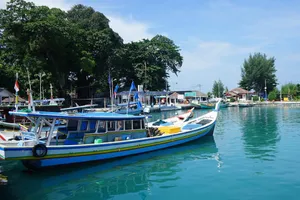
[[245, 104], [175, 121], [98, 136]]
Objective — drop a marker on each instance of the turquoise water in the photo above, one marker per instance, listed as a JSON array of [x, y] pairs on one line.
[[254, 154]]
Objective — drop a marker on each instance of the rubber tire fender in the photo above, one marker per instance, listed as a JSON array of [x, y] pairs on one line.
[[39, 147]]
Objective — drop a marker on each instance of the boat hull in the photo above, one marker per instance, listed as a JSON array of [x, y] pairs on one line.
[[131, 112], [85, 153]]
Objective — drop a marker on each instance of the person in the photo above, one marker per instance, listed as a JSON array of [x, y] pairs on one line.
[[120, 125]]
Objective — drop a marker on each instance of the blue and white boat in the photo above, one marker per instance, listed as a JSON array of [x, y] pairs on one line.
[[133, 108], [98, 136]]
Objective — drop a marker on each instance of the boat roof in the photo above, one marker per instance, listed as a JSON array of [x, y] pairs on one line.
[[79, 107], [49, 100], [125, 104], [87, 116]]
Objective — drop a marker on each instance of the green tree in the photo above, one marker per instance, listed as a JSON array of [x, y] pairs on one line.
[[272, 95], [209, 94], [77, 49], [40, 39], [218, 89], [226, 89], [258, 70], [290, 90], [153, 60]]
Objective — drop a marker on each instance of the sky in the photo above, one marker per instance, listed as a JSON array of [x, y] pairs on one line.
[[214, 36]]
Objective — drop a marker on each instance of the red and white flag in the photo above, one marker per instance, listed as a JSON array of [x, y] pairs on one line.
[[17, 88]]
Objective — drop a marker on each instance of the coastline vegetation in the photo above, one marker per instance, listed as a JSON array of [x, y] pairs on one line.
[[77, 49]]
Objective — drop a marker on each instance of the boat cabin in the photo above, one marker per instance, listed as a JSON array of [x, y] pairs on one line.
[[85, 128], [91, 131]]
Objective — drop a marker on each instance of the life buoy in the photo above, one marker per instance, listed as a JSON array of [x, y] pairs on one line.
[[39, 150]]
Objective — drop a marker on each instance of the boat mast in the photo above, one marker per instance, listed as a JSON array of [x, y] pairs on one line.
[[17, 89], [30, 92], [166, 92]]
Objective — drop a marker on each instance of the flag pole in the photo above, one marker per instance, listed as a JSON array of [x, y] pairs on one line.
[[112, 96], [128, 99], [16, 100], [30, 92]]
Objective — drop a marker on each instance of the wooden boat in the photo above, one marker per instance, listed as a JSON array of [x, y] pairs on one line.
[[207, 105], [224, 105], [98, 136], [245, 104], [78, 108], [175, 121], [168, 108], [9, 125], [133, 108]]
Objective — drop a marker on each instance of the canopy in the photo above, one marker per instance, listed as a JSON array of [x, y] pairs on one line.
[[87, 116]]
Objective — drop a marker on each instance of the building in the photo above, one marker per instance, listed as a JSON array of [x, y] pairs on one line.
[[6, 97], [157, 97], [195, 96], [238, 94]]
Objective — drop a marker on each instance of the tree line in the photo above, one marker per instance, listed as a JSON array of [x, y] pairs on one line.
[[77, 49], [258, 73]]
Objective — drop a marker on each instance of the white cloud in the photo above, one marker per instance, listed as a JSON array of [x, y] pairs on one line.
[[130, 29], [212, 54], [208, 61], [2, 4], [62, 4]]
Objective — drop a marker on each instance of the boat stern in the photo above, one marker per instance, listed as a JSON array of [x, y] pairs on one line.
[[2, 152], [13, 150]]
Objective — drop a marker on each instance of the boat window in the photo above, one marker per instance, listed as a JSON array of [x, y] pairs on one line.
[[128, 125], [143, 124], [120, 125], [72, 124], [136, 124], [92, 125], [84, 125], [102, 127], [111, 126]]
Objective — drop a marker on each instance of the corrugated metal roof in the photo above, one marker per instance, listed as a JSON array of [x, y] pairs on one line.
[[162, 93], [5, 93]]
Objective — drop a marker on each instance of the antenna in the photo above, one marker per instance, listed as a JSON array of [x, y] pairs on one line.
[[199, 85]]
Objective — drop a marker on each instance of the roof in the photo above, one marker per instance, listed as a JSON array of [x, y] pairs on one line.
[[141, 93], [237, 91], [12, 99], [162, 93], [87, 116], [5, 93], [198, 93], [174, 94]]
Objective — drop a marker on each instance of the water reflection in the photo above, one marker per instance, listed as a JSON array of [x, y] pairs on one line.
[[135, 174], [260, 132]]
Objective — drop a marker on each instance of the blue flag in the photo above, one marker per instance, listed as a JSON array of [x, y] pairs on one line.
[[136, 95], [132, 87], [116, 90]]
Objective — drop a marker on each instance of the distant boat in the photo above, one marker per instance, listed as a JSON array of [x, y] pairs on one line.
[[210, 105], [78, 108], [207, 105], [133, 108], [224, 105], [168, 107], [245, 104]]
